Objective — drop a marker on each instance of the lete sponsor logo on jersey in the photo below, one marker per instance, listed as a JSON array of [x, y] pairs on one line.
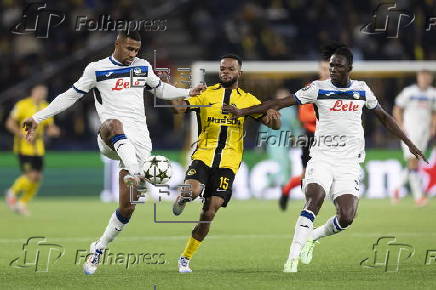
[[121, 84], [340, 105]]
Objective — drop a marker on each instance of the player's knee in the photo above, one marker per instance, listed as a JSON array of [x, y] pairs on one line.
[[109, 128], [346, 218]]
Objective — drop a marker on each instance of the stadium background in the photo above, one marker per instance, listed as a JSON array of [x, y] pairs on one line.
[[193, 30]]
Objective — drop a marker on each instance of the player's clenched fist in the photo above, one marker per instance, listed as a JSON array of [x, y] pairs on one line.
[[231, 109], [30, 126], [197, 90]]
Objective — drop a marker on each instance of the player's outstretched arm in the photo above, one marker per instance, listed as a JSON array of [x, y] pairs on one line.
[[275, 104], [395, 129], [166, 91], [59, 104]]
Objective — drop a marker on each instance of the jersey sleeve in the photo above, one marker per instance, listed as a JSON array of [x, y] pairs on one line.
[[402, 99], [87, 81], [308, 94], [152, 81], [253, 101], [371, 101], [197, 100]]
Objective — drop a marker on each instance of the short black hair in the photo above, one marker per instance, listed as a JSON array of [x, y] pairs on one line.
[[133, 34], [339, 49], [233, 56]]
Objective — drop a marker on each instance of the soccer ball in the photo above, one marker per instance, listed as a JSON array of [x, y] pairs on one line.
[[157, 169]]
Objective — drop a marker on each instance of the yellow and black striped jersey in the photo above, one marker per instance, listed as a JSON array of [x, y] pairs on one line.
[[221, 137], [22, 110]]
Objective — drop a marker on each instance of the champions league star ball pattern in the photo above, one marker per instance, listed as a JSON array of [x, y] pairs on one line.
[[157, 169]]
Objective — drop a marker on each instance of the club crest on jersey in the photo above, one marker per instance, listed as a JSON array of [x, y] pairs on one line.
[[138, 72], [356, 95]]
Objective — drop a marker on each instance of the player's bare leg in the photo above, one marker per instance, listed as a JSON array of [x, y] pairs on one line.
[[27, 184], [346, 208], [415, 182], [200, 231], [187, 194], [112, 133], [315, 195], [286, 189], [117, 222]]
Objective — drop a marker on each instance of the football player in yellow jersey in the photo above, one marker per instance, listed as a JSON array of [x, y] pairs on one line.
[[219, 150], [30, 155]]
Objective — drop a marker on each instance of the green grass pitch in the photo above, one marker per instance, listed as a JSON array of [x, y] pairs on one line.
[[246, 248]]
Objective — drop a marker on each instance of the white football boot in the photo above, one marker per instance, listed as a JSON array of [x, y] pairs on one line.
[[93, 260], [307, 251], [291, 266], [184, 265]]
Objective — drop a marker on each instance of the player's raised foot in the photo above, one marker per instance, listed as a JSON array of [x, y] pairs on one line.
[[307, 251], [421, 202], [180, 204], [11, 200], [291, 266], [184, 265], [93, 259], [283, 201], [21, 209]]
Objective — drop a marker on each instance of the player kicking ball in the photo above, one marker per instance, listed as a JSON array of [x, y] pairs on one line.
[[332, 171], [117, 83], [219, 150]]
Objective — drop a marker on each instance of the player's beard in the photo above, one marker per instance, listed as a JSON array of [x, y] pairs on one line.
[[229, 83]]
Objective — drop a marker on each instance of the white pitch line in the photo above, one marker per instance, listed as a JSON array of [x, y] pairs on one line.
[[158, 238]]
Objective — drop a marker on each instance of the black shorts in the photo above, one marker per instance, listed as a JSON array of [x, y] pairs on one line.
[[28, 163], [217, 181], [305, 151]]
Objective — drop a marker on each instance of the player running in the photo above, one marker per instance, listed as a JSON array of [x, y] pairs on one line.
[[333, 170], [307, 117], [117, 83], [30, 155], [415, 112], [219, 150]]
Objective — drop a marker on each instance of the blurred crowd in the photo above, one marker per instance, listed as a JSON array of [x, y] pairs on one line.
[[296, 29], [256, 30]]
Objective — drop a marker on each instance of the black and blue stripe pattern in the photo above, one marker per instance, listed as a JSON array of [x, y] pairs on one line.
[[341, 95], [139, 71], [338, 227], [122, 219], [308, 214], [117, 138]]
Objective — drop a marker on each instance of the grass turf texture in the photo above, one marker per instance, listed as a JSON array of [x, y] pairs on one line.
[[246, 249]]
